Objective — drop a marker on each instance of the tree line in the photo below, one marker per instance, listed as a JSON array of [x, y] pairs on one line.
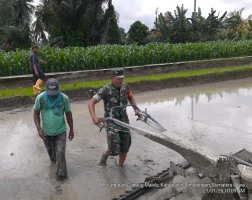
[[58, 22], [85, 23], [178, 28]]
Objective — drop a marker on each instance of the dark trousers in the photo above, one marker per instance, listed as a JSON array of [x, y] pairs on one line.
[[56, 147], [41, 75]]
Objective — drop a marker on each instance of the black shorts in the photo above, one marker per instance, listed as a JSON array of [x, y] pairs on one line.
[[41, 75]]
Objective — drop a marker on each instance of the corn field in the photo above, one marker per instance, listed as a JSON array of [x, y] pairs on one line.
[[108, 56]]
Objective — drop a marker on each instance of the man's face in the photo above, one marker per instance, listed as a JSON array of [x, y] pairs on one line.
[[52, 96], [36, 50], [117, 83]]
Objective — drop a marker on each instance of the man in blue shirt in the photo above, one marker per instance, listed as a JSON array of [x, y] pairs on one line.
[[38, 74]]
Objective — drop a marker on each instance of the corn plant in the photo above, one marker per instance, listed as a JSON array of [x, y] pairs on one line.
[[108, 56]]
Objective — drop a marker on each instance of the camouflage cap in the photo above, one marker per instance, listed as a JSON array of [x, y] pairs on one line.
[[117, 72]]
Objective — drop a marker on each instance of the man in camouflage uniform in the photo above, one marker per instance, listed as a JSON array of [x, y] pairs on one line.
[[115, 94]]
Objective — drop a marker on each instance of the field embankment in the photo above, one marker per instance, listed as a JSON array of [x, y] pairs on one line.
[[14, 98]]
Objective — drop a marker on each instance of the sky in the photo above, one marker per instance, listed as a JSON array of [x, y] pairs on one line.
[[144, 10]]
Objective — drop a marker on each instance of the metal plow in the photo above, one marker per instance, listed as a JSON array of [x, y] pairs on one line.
[[226, 169], [142, 116], [219, 181]]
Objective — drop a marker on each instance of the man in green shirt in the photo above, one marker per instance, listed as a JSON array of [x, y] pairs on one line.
[[52, 104]]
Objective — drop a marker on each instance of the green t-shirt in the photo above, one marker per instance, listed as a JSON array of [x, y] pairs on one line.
[[53, 121]]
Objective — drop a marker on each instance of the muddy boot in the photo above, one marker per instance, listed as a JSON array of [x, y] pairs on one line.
[[103, 160]]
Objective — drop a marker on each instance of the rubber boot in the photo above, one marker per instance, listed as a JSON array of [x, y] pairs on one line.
[[36, 92], [38, 84]]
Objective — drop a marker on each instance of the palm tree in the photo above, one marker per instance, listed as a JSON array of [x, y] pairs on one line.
[[180, 24], [15, 25], [80, 21], [9, 34], [237, 18], [39, 28], [5, 14], [163, 26], [208, 28], [237, 25], [22, 9]]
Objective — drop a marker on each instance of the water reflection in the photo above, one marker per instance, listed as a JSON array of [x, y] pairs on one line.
[[208, 91], [207, 94], [215, 116]]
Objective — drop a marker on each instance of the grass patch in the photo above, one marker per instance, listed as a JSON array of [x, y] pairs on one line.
[[157, 77]]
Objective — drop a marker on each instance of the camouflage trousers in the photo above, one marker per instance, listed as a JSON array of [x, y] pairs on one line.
[[56, 147], [118, 141]]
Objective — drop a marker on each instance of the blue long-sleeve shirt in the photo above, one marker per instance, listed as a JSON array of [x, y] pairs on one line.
[[34, 60]]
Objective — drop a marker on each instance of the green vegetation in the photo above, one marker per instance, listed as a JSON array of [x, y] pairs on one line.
[[79, 23], [15, 21], [102, 57], [138, 33], [84, 23], [131, 80], [178, 28]]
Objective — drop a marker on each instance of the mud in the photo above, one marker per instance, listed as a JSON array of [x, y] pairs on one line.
[[83, 94], [212, 119], [28, 173]]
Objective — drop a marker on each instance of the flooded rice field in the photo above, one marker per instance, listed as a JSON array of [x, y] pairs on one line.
[[212, 119]]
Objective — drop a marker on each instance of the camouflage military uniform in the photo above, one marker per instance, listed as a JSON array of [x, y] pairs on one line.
[[119, 138]]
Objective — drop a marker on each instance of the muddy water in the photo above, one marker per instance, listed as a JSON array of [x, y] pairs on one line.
[[213, 119], [26, 172]]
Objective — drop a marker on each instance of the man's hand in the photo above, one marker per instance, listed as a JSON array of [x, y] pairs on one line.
[[96, 122], [36, 73], [91, 108], [137, 114], [43, 62], [41, 134], [71, 135], [137, 111]]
